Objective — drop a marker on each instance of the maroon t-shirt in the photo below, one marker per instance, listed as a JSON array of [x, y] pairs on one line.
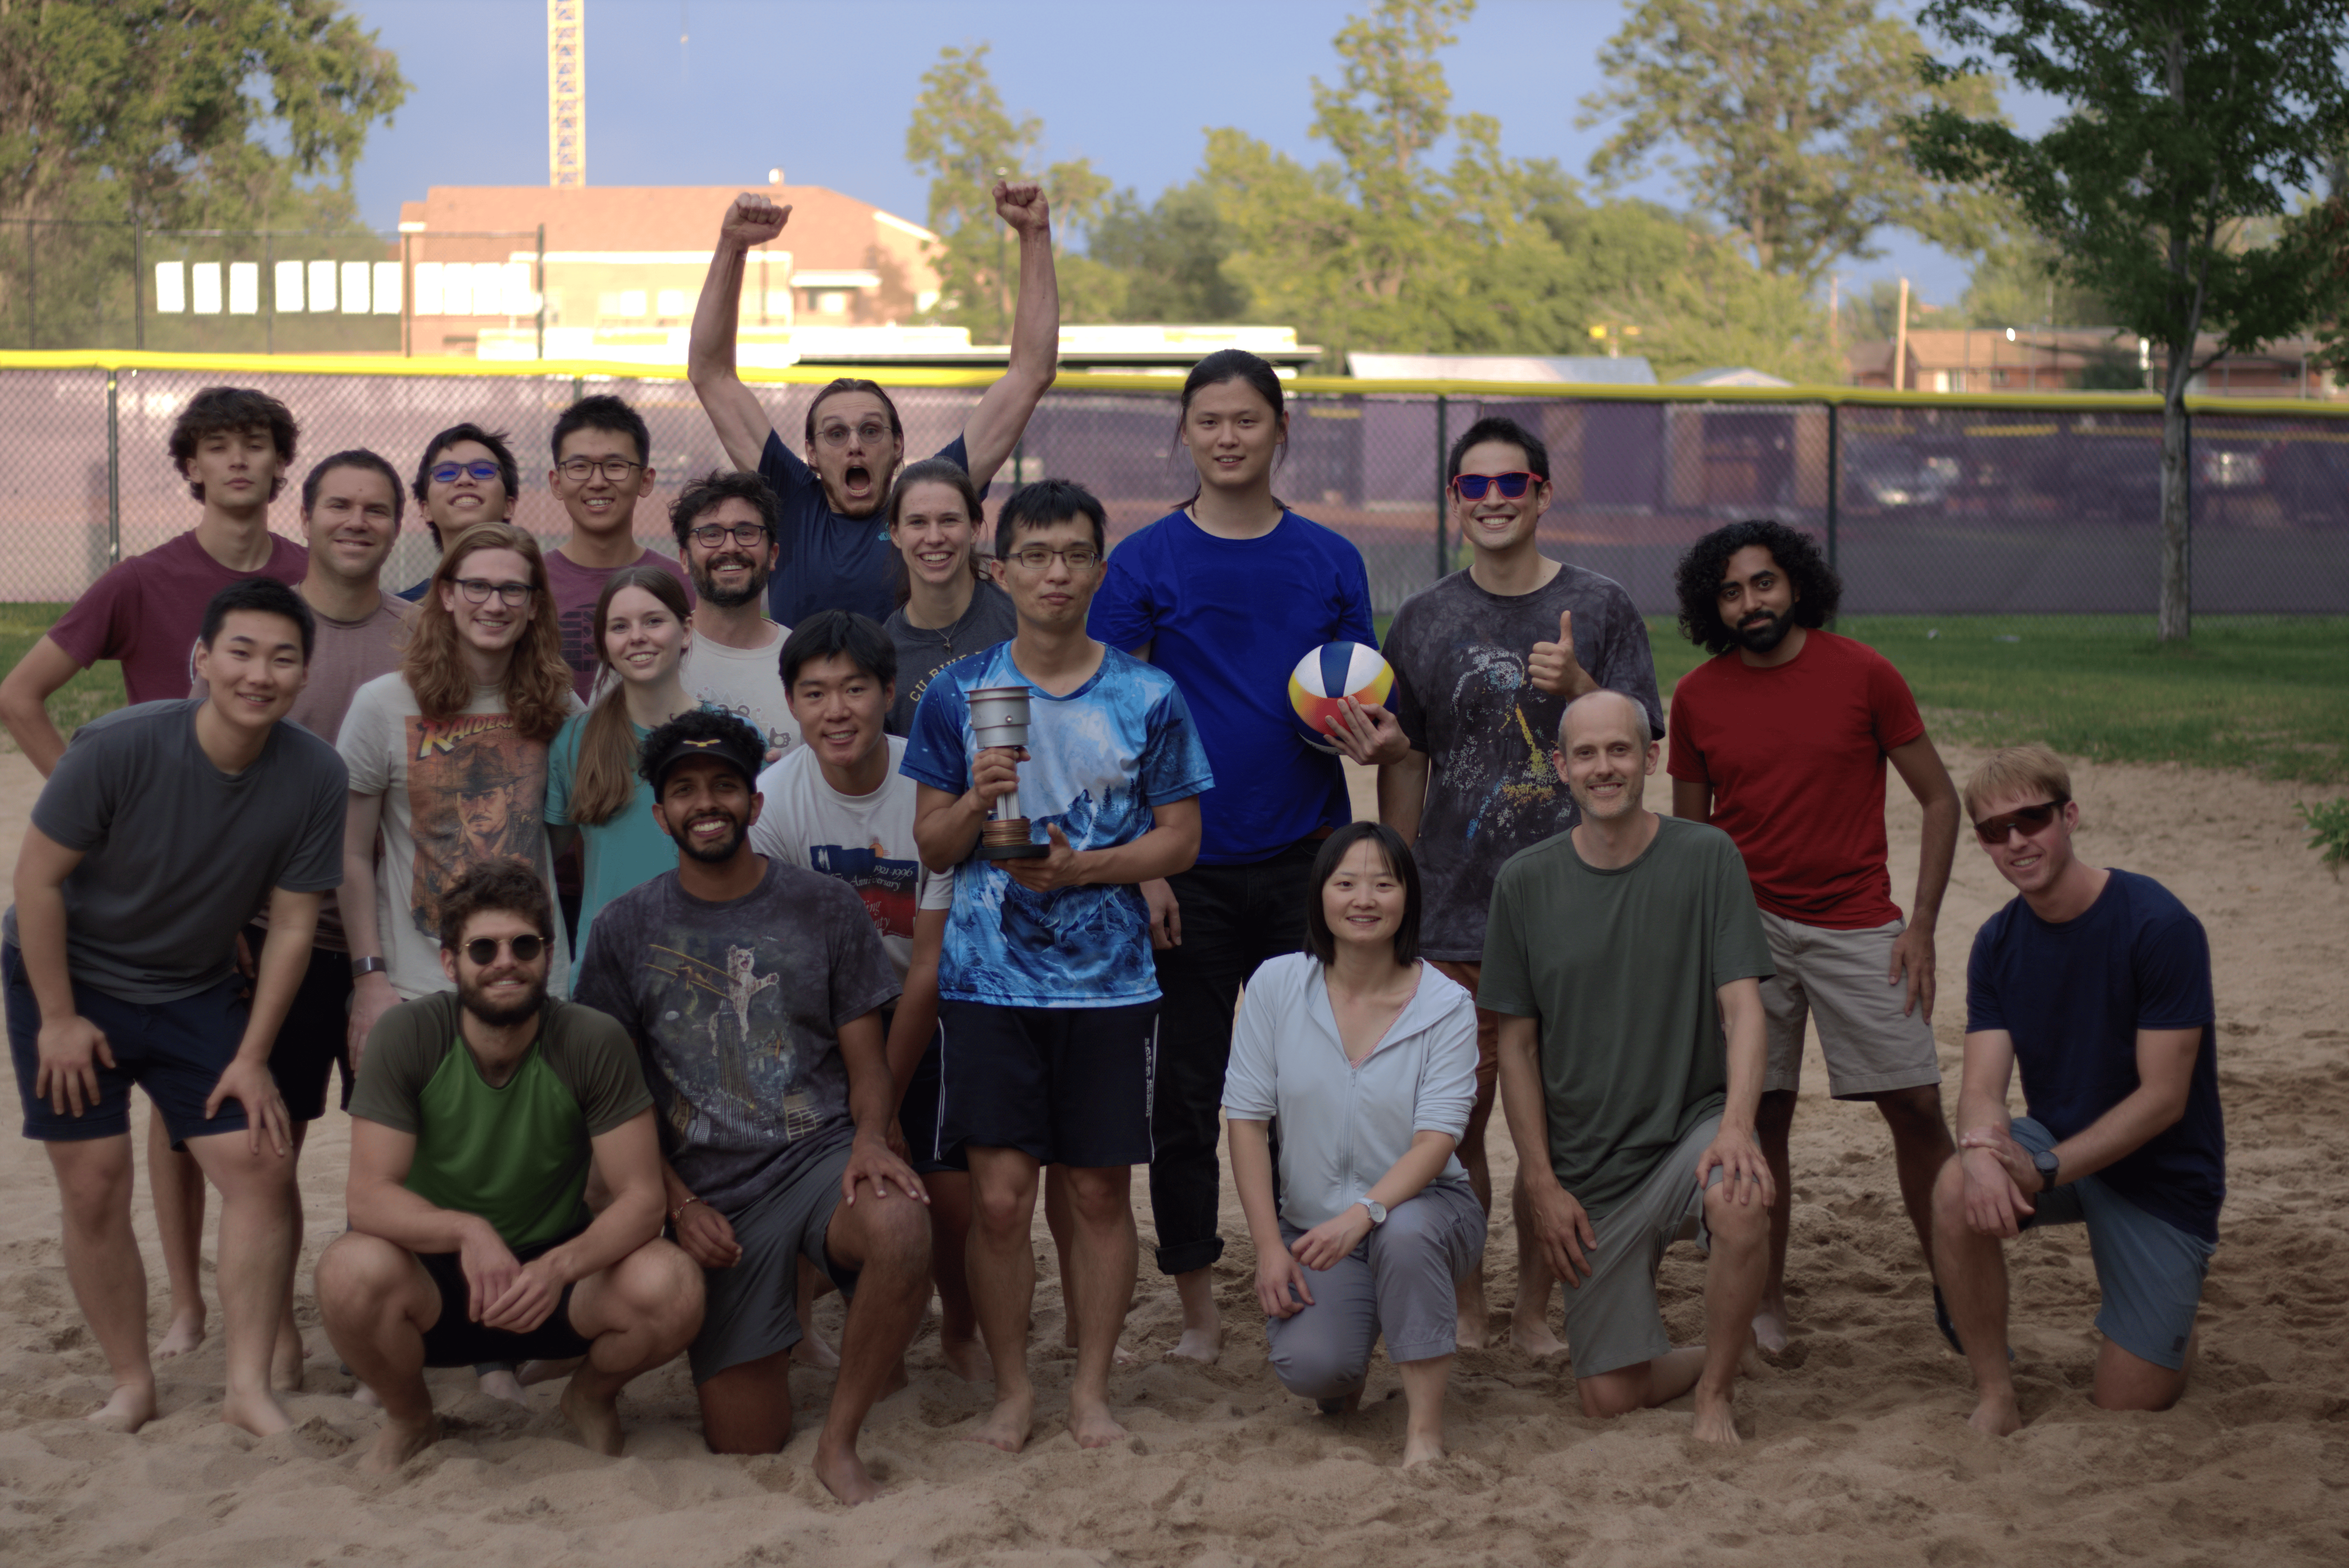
[[576, 589], [148, 611]]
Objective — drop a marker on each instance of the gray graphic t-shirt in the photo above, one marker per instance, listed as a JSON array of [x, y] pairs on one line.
[[736, 1009], [1461, 696]]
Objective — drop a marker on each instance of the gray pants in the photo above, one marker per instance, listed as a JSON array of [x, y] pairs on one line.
[[1399, 1282]]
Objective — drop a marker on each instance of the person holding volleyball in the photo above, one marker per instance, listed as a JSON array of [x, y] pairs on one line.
[[1224, 594]]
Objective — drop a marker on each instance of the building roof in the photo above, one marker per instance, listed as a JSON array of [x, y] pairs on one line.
[[1731, 376], [1632, 370]]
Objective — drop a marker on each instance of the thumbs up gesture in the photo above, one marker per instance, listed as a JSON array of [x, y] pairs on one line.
[[1553, 668]]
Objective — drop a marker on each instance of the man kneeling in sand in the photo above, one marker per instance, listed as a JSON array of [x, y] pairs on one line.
[[1619, 953], [2098, 984], [477, 1117]]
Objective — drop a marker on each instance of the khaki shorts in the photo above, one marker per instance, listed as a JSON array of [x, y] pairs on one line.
[[1870, 1045], [1612, 1318]]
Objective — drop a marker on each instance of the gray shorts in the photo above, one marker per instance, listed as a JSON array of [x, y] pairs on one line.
[[1398, 1283], [2148, 1271], [1869, 1043], [751, 1309], [1612, 1318]]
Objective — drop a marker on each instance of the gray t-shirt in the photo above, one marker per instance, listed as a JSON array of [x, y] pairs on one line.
[[736, 1009], [1621, 968], [177, 855], [923, 652], [1461, 696]]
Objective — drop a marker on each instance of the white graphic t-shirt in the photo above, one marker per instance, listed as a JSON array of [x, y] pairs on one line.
[[745, 682], [865, 840]]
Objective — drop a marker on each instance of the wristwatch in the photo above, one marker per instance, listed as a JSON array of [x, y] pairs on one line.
[[1378, 1211], [360, 967], [2048, 1165]]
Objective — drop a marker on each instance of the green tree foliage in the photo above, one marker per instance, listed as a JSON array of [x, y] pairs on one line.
[[2018, 279], [2187, 119], [1167, 258], [1783, 119]]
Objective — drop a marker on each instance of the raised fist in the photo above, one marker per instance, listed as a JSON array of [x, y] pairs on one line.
[[1023, 207], [753, 220]]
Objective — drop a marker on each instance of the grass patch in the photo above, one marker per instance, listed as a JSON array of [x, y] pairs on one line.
[[92, 692]]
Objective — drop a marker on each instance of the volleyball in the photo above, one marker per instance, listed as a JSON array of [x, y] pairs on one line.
[[1323, 680]]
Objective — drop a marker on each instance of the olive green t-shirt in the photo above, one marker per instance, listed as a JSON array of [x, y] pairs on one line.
[[514, 1154], [1621, 968]]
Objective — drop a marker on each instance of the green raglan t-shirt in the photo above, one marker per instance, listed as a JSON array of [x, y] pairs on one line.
[[1620, 967], [514, 1154]]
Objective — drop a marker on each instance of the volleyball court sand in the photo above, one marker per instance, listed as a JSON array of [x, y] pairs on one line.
[[1854, 1448]]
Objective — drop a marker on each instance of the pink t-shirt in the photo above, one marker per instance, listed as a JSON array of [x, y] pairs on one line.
[[576, 589], [148, 611]]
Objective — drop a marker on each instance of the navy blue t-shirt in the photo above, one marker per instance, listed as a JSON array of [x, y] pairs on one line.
[[2074, 996], [829, 562], [1228, 619]]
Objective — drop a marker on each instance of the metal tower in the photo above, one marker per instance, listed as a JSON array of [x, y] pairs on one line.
[[566, 92]]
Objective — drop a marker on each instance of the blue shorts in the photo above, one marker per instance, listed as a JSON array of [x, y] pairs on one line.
[[2148, 1271], [176, 1051]]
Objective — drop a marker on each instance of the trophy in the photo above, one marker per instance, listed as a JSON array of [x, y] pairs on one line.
[[999, 716]]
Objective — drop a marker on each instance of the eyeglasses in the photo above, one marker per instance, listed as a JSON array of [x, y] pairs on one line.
[[1472, 487], [526, 948], [871, 433], [1037, 557], [711, 535], [2030, 819], [579, 470], [449, 473], [477, 591]]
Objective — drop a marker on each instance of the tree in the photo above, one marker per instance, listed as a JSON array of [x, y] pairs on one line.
[[1168, 257], [2188, 119], [1785, 120], [2019, 278]]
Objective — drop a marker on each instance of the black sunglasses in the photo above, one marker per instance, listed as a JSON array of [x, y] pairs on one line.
[[483, 949], [2030, 819], [1513, 486]]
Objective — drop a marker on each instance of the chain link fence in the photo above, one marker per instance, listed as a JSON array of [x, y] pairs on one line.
[[2040, 507]]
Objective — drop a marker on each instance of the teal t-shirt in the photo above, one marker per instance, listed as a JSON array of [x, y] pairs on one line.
[[624, 850]]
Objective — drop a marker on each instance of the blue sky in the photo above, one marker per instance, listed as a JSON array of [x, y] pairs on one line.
[[824, 90]]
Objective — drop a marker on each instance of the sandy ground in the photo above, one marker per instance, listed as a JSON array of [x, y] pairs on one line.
[[1854, 1448]]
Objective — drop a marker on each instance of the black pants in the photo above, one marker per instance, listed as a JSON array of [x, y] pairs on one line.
[[1232, 919]]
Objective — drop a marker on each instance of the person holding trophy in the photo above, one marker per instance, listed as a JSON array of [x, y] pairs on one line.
[[1084, 783]]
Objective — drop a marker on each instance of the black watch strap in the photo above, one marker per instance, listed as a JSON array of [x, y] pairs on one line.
[[2050, 1166]]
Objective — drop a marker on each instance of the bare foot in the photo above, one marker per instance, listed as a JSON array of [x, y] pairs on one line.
[[399, 1442], [130, 1406], [598, 1420], [967, 1360], [533, 1372], [363, 1395], [843, 1474], [504, 1384], [1716, 1418], [1995, 1418], [187, 1332], [259, 1414], [1008, 1425], [1769, 1327], [1475, 1317], [1532, 1335], [1421, 1450], [1199, 1344], [1092, 1426], [813, 1351]]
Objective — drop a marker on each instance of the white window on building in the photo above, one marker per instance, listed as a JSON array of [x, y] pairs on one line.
[[520, 299], [1941, 381], [321, 287], [488, 288], [671, 301], [207, 287], [244, 288], [288, 286], [354, 288], [779, 302], [832, 302], [457, 289], [624, 305], [171, 287], [387, 288], [427, 282]]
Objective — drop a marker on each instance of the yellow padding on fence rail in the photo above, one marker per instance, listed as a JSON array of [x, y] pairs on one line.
[[1338, 386]]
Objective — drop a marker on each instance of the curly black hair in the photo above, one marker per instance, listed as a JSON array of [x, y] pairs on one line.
[[723, 734], [1817, 589]]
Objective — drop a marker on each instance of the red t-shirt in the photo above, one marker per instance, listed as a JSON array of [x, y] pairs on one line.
[[576, 588], [1795, 758], [148, 612]]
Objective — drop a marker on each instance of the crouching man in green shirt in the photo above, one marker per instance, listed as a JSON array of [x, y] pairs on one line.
[[1625, 956], [476, 1118]]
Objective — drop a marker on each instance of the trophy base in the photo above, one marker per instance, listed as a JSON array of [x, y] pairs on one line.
[[1008, 841]]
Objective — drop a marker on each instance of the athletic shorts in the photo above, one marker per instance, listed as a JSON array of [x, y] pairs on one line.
[[456, 1340], [1870, 1045], [1612, 1318], [314, 1038], [174, 1050], [917, 1116], [751, 1311], [2148, 1271], [1065, 1085]]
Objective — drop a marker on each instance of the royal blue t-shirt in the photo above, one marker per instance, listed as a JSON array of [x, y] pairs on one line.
[[2074, 996], [1098, 760], [829, 562], [1228, 619]]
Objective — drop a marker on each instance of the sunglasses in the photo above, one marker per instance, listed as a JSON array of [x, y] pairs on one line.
[[480, 469], [1472, 487], [483, 949], [2030, 819]]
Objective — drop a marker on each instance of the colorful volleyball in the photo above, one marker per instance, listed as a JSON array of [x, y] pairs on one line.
[[1326, 677]]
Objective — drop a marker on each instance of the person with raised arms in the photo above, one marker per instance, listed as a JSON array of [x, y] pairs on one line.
[[753, 992], [725, 525], [162, 828], [1226, 594], [947, 606], [480, 1113], [1047, 999], [832, 557], [466, 475]]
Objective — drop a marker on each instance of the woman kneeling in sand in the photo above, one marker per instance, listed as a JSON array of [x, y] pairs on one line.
[[1368, 1057]]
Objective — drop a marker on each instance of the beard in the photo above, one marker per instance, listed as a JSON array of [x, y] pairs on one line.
[[754, 587], [716, 852], [1763, 632], [476, 1002]]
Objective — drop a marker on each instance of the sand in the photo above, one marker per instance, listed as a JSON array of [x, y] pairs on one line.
[[1854, 1452]]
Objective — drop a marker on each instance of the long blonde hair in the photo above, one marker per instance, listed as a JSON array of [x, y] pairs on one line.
[[538, 682], [603, 784]]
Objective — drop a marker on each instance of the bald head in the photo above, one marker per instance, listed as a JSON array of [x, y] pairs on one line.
[[1603, 712]]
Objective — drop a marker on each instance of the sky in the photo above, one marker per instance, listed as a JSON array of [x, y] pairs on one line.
[[714, 92]]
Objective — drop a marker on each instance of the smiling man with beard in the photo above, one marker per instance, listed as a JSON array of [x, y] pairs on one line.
[[1780, 740], [725, 527]]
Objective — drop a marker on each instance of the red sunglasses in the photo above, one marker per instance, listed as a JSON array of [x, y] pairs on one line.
[[1472, 487]]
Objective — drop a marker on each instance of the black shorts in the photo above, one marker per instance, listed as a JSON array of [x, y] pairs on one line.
[[1066, 1086], [174, 1050], [456, 1340], [917, 1116], [314, 1038]]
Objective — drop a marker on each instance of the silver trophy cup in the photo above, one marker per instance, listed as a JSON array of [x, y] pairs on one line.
[[999, 716]]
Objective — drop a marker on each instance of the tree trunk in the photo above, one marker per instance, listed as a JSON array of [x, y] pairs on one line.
[[2175, 622]]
